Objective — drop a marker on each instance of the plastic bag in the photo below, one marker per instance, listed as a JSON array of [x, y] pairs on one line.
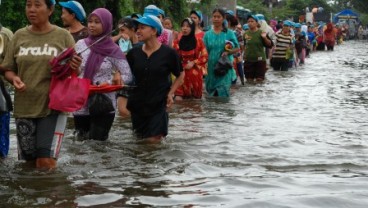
[[99, 104], [289, 54], [69, 94], [223, 66]]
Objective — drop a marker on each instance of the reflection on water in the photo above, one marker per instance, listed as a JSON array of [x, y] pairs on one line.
[[298, 140]]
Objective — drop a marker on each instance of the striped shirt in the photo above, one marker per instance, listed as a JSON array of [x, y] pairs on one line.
[[283, 42]]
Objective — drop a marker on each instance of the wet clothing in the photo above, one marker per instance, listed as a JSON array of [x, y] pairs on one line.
[[147, 101], [6, 35], [193, 79], [279, 60], [149, 126], [330, 37], [28, 55], [97, 127], [39, 129], [255, 70], [40, 137], [279, 64], [215, 45], [104, 73], [93, 127], [4, 121], [255, 56], [4, 134]]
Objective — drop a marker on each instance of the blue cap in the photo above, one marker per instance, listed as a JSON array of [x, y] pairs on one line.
[[260, 17], [162, 12], [52, 2], [76, 8], [245, 27], [151, 21], [230, 12], [297, 25], [253, 17], [151, 10], [136, 15], [288, 23], [198, 13]]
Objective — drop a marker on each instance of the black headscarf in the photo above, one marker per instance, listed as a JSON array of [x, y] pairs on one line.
[[188, 42]]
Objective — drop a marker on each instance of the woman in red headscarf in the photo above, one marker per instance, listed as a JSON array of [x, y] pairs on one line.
[[330, 37]]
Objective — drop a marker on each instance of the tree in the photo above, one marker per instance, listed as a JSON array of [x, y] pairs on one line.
[[255, 6], [11, 16], [11, 19]]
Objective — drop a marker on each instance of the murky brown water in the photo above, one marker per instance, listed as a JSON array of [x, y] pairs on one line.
[[299, 140]]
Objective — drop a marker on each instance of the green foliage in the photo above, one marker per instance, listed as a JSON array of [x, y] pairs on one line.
[[256, 6], [364, 19], [12, 13], [282, 13], [176, 9]]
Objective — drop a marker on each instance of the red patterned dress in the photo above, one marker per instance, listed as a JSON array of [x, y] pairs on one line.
[[193, 80]]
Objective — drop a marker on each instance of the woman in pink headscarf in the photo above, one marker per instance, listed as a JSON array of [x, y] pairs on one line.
[[273, 24], [100, 62]]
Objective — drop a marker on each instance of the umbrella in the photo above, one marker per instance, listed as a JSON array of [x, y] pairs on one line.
[[240, 69], [60, 68], [60, 64], [105, 88]]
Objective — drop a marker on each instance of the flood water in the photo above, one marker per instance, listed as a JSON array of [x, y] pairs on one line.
[[298, 140]]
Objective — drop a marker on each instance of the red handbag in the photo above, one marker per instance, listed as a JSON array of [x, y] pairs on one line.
[[69, 94]]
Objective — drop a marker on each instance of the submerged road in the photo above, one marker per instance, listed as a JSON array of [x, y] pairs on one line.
[[298, 140]]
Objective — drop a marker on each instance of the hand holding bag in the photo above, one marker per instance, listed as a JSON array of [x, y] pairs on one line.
[[223, 66], [99, 104], [69, 94]]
